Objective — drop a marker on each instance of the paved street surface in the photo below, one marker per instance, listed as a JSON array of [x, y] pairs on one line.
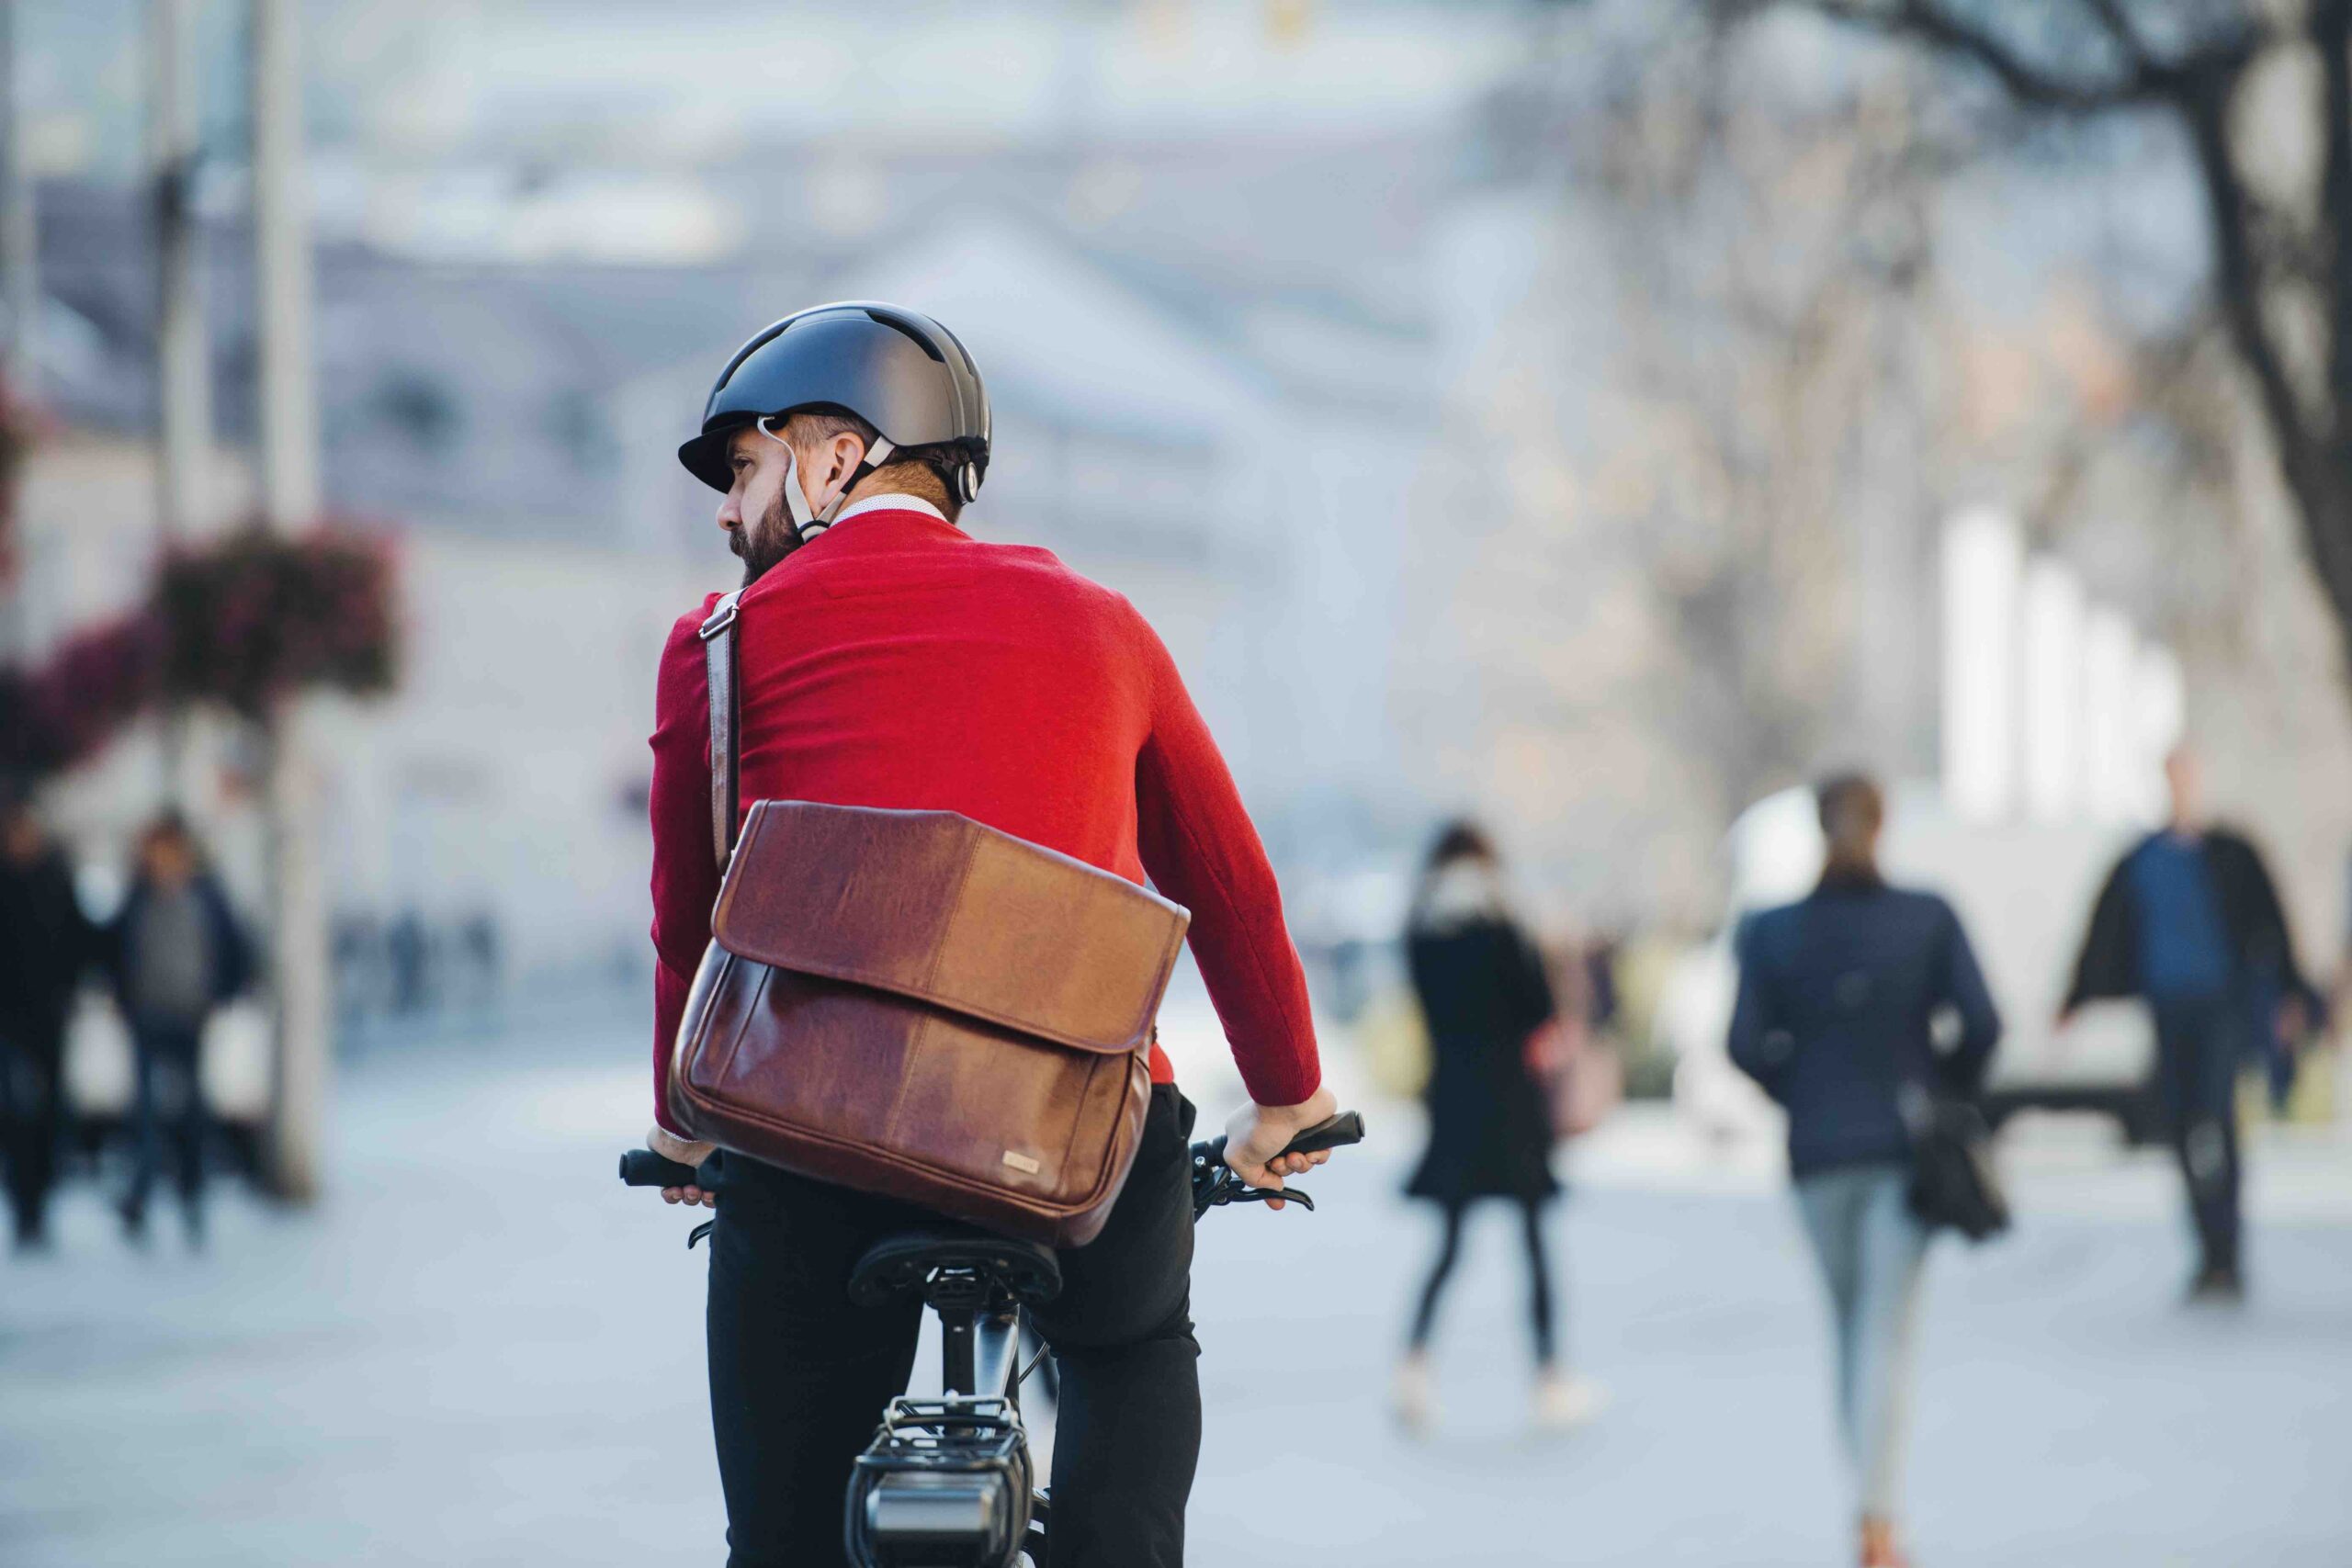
[[483, 1350]]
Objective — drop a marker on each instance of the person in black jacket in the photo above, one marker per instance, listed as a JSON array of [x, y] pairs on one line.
[[45, 944], [1484, 993], [1839, 1000], [2189, 920], [177, 954]]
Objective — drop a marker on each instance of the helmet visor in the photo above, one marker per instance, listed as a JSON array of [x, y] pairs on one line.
[[705, 454]]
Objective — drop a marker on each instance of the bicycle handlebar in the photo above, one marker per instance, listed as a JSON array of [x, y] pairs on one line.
[[643, 1168], [1334, 1133], [1214, 1182]]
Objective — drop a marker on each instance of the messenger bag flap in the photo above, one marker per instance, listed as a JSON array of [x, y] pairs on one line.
[[934, 905]]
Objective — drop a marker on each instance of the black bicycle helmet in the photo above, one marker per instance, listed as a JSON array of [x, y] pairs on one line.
[[897, 369]]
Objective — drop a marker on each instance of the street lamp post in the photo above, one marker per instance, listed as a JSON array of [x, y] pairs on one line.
[[184, 381], [21, 293], [19, 246], [289, 491]]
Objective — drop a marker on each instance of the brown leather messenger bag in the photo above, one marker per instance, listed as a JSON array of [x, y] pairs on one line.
[[909, 1003]]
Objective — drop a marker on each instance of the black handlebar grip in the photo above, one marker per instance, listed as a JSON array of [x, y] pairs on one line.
[[643, 1168], [1333, 1133], [1338, 1132]]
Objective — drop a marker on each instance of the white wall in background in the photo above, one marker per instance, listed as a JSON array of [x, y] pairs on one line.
[[2159, 718], [2051, 672], [2110, 750], [2054, 708], [1982, 557]]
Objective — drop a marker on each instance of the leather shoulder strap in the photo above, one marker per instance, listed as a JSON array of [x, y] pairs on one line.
[[719, 645]]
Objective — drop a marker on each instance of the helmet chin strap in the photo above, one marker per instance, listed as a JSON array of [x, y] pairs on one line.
[[807, 519]]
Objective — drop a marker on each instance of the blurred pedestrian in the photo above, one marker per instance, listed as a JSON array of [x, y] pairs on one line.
[[2190, 920], [178, 955], [477, 939], [2340, 991], [1603, 1005], [1485, 994], [408, 952], [45, 943], [1839, 995]]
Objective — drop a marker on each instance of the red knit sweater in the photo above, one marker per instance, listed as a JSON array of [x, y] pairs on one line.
[[895, 662]]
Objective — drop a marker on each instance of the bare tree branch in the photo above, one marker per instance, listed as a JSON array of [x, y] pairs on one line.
[[2118, 23], [2025, 80], [2331, 35], [2262, 253], [2239, 274]]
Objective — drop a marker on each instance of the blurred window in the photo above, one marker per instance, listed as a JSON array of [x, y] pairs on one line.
[[423, 408], [575, 421]]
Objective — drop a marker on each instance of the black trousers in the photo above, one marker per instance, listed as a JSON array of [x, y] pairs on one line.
[[799, 1376], [1539, 1273], [2198, 1053], [32, 1052]]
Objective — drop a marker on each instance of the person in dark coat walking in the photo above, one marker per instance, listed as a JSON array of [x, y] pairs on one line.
[[1483, 994], [45, 943], [177, 955], [2190, 921], [1839, 995]]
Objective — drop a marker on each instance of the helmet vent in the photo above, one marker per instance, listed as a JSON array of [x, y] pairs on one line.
[[917, 338]]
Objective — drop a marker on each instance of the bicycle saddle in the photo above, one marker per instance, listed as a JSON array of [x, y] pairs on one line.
[[1026, 1271]]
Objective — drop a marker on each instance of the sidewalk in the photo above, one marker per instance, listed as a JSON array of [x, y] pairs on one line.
[[483, 1351]]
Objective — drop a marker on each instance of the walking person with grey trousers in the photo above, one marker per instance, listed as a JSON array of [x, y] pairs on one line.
[[1839, 999], [178, 954]]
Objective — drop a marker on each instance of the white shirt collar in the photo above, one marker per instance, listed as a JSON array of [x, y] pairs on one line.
[[896, 500]]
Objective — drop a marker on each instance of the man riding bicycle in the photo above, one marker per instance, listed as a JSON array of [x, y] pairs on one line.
[[888, 660]]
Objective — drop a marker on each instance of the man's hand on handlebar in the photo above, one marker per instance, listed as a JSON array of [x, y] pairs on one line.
[[669, 1145], [1255, 1136], [1300, 1136]]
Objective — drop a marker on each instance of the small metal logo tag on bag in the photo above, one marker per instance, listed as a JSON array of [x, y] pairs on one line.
[[1022, 1163]]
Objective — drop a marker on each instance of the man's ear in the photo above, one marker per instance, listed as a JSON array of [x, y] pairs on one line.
[[848, 451]]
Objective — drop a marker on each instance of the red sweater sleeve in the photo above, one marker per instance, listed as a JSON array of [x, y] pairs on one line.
[[686, 879], [1197, 842]]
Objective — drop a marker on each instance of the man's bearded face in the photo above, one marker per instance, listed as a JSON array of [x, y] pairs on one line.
[[759, 529], [764, 544]]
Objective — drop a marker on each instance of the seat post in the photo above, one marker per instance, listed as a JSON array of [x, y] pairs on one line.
[[976, 1284], [999, 1350], [956, 1373], [959, 1293]]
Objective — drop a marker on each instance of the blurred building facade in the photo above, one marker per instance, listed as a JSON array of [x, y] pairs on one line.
[[1393, 359], [1227, 433]]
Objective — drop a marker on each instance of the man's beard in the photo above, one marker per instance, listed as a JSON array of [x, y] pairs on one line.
[[765, 546]]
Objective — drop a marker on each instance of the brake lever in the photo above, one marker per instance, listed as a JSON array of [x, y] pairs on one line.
[[1230, 1188]]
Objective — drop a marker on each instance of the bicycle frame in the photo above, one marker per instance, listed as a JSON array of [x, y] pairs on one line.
[[979, 1348], [948, 1481]]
